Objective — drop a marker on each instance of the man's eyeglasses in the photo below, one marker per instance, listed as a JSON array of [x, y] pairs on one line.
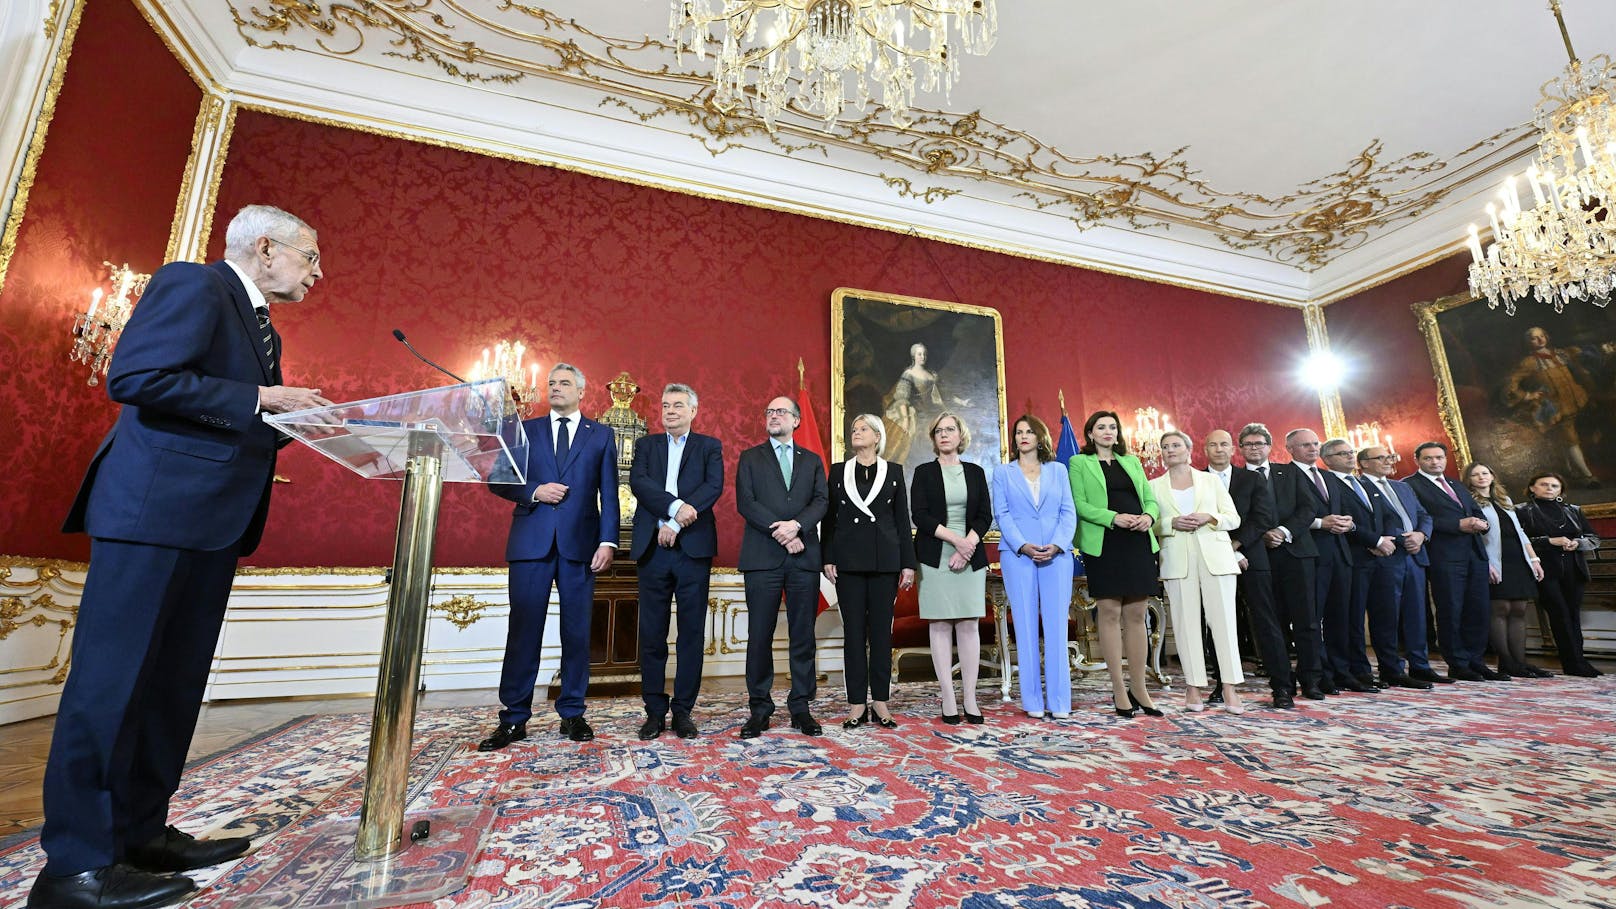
[[313, 257], [1380, 458], [1255, 444], [778, 412]]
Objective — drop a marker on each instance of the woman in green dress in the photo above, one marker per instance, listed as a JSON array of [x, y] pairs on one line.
[[952, 513]]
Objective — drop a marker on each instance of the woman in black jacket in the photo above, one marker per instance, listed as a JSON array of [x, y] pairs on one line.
[[1561, 536], [869, 553], [952, 511]]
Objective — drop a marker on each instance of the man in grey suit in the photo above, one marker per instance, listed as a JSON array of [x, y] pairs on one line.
[[780, 492]]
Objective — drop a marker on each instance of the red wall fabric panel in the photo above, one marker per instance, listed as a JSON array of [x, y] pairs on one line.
[[111, 170], [459, 249]]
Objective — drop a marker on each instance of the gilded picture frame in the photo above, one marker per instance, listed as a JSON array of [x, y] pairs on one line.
[[905, 359], [1527, 393]]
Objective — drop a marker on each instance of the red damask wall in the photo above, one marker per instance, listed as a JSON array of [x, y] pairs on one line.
[[106, 186], [457, 249]]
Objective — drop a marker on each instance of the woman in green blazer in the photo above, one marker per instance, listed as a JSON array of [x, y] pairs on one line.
[[1115, 511]]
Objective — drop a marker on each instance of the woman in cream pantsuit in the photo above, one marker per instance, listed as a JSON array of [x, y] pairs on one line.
[[1198, 568]]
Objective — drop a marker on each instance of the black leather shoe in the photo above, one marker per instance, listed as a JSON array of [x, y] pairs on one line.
[[1329, 688], [1372, 682], [1312, 693], [112, 887], [1429, 675], [975, 719], [1464, 675], [651, 728], [885, 722], [1493, 675], [1215, 696], [1403, 681], [856, 722], [951, 719], [805, 722], [1283, 701], [684, 726], [1537, 672], [504, 734], [176, 850], [1149, 711], [1359, 687], [754, 726], [577, 729], [1584, 671]]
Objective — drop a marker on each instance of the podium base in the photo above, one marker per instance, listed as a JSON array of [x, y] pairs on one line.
[[315, 867]]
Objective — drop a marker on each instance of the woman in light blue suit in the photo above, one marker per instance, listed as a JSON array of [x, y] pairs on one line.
[[1032, 501]]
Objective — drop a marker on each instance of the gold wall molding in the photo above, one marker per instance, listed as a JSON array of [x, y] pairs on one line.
[[74, 11], [33, 603], [194, 206], [462, 610], [1305, 228], [1318, 342]]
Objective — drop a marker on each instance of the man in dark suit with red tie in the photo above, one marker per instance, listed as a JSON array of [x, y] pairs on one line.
[[1458, 575], [1292, 555], [176, 494], [676, 478], [563, 533], [781, 493], [1397, 588]]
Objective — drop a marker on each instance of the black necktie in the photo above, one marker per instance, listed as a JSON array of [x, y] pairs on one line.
[[562, 442], [267, 332]]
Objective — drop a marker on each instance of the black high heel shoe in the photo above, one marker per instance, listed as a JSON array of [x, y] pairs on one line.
[[855, 723], [1126, 714], [951, 719], [1149, 711], [975, 719], [885, 722]]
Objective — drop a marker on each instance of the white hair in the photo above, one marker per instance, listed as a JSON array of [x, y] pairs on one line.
[[256, 221], [672, 388], [876, 426], [577, 374]]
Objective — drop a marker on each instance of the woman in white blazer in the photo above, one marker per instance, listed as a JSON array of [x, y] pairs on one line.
[[1032, 501], [1198, 568]]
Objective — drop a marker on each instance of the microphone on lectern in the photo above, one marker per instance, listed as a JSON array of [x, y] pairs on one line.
[[405, 341]]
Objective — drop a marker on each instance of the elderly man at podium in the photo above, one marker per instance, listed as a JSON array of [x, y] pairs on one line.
[[563, 531], [175, 495]]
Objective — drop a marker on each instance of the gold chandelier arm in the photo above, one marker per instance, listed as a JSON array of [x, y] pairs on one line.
[[1564, 34]]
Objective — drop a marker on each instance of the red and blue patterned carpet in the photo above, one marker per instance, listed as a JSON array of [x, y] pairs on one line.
[[1478, 795]]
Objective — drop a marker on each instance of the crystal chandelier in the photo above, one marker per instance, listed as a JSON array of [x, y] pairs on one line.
[[505, 361], [1563, 247], [836, 42], [96, 330]]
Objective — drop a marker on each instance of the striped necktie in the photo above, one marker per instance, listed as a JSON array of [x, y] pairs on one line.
[[267, 333]]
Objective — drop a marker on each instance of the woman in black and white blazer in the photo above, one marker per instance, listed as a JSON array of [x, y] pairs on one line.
[[869, 553]]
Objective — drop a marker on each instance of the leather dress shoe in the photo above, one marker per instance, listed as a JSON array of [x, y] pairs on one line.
[[1403, 681], [754, 726], [684, 726], [1493, 675], [112, 887], [1329, 688], [1429, 675], [1585, 671], [1462, 674], [805, 722], [1372, 682], [1359, 687], [1283, 700], [504, 734], [577, 729], [651, 728], [1312, 693], [1215, 696], [176, 850]]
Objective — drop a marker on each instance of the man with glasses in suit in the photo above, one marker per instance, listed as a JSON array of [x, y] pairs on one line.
[[1396, 602]]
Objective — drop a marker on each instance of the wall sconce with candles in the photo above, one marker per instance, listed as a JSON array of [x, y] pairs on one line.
[[1148, 426], [96, 330], [1368, 435], [505, 360]]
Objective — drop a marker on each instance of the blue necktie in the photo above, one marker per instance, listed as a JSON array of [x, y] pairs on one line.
[[563, 443]]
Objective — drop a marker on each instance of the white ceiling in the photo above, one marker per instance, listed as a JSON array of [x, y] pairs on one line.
[[1292, 152]]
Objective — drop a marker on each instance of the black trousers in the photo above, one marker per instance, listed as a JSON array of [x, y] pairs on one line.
[[1559, 595], [798, 582], [1257, 589], [1294, 592], [1332, 593], [148, 624], [667, 576], [865, 599]]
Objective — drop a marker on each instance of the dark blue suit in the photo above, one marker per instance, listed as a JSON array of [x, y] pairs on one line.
[[1458, 573], [177, 492], [552, 544], [1397, 587], [1347, 647], [681, 572]]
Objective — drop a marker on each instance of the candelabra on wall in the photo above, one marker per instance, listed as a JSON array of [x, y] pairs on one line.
[[1148, 426], [1368, 435], [96, 330], [506, 360]]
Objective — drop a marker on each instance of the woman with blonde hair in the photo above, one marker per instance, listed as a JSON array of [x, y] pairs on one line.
[[1199, 568], [950, 504], [869, 554], [1513, 570]]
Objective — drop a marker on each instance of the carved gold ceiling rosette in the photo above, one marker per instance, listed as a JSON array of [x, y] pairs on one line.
[[942, 154]]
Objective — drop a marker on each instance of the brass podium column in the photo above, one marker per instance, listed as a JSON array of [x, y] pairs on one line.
[[387, 770]]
